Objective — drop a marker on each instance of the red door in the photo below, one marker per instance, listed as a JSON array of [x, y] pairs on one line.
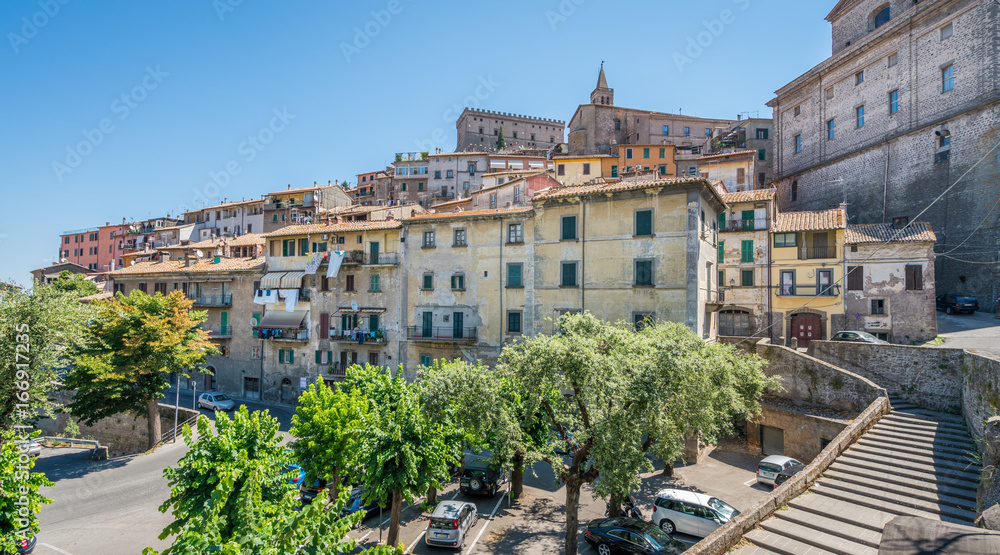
[[806, 327]]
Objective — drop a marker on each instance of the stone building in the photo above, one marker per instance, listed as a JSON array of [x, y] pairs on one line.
[[582, 168], [735, 170], [906, 105], [299, 206], [478, 130], [744, 283], [599, 125], [227, 219], [757, 136], [890, 288]]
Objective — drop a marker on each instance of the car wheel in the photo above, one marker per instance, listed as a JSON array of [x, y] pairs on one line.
[[475, 485], [603, 549], [949, 310], [667, 526]]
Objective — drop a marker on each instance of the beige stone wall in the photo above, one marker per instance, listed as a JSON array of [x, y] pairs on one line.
[[805, 434]]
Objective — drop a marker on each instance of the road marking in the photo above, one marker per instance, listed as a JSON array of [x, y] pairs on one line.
[[384, 522], [54, 548], [410, 548], [749, 482], [488, 520]]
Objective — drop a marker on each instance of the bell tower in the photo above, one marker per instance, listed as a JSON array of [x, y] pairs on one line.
[[603, 94]]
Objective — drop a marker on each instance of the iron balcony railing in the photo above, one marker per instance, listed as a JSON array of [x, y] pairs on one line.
[[219, 332], [371, 258], [289, 335], [449, 333], [378, 337], [750, 224], [810, 253], [212, 300], [808, 290]]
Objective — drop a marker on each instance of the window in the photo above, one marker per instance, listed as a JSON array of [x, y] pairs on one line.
[[618, 124], [893, 59], [373, 283], [459, 238], [741, 176], [641, 319], [722, 253], [403, 187], [286, 356], [514, 271], [798, 144], [855, 278], [514, 322], [428, 282], [859, 77], [746, 278], [142, 287], [437, 174], [762, 133], [831, 129], [947, 31], [914, 277], [824, 283], [708, 133], [425, 360], [561, 169], [349, 283], [255, 353], [881, 17], [645, 153], [666, 129], [458, 282], [643, 273], [947, 78], [878, 307], [692, 170], [943, 153], [428, 239], [420, 185], [893, 102], [786, 240], [787, 282], [687, 131], [663, 169], [746, 251], [568, 275], [794, 192], [797, 111], [762, 154], [568, 231], [586, 168], [450, 174], [614, 171], [663, 153], [515, 233], [734, 323], [628, 153], [465, 185], [860, 113], [643, 222], [829, 93]]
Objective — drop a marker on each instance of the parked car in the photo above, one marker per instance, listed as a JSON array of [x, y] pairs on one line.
[[479, 478], [34, 448], [951, 304], [787, 473], [450, 523], [216, 402], [23, 546], [769, 467], [309, 490], [294, 475], [356, 504], [857, 337], [628, 535], [689, 512]]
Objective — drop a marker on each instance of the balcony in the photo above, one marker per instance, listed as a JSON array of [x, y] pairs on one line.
[[449, 334], [371, 258], [367, 338], [212, 300], [290, 336], [219, 332], [442, 194], [812, 253], [808, 290], [750, 224]]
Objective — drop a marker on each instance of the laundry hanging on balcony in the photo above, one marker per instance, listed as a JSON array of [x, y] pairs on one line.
[[291, 297], [313, 264], [336, 258], [265, 296]]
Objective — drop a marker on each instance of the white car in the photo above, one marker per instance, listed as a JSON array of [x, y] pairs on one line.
[[216, 402], [769, 467], [34, 448], [691, 513]]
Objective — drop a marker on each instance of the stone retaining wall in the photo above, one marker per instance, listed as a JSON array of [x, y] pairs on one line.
[[804, 432], [123, 434]]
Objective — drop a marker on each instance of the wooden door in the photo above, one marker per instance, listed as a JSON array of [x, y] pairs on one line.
[[806, 327]]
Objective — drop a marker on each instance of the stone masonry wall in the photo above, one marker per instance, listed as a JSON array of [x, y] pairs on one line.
[[804, 433], [123, 434], [980, 392]]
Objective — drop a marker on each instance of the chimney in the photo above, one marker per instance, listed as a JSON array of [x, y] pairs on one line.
[[289, 186], [739, 117], [336, 182], [315, 183], [389, 217], [328, 183]]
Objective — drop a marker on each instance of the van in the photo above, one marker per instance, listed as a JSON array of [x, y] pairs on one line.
[[692, 513]]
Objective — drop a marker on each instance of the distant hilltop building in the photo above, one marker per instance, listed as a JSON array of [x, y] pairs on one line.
[[478, 130]]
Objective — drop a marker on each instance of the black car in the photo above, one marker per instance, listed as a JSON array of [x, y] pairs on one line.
[[479, 478], [787, 473], [951, 304], [23, 546], [309, 490], [612, 536]]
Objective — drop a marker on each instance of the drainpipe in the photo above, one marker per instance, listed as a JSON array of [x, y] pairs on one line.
[[500, 276], [583, 254], [885, 184]]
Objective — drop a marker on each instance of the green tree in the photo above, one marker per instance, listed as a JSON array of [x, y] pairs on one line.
[[135, 343], [501, 142], [612, 396], [228, 496], [327, 422], [75, 284], [19, 497], [38, 329], [402, 452]]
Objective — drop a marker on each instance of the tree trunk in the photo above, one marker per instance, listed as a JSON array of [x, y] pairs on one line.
[[153, 421], [615, 502], [517, 477], [334, 485], [395, 516], [432, 496], [668, 469], [572, 517]]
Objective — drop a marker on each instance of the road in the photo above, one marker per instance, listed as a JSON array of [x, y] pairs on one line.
[[979, 332]]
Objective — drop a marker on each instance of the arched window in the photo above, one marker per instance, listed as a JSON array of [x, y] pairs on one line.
[[881, 17], [795, 190]]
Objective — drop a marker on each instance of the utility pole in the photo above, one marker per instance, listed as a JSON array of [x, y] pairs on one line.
[[177, 406]]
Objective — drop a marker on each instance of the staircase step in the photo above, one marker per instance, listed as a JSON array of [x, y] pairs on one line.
[[959, 445], [906, 441], [823, 523], [783, 544], [867, 518], [925, 422], [815, 537], [905, 477], [914, 493], [918, 450], [906, 467], [925, 432], [922, 459], [752, 550], [891, 509], [932, 415], [901, 501]]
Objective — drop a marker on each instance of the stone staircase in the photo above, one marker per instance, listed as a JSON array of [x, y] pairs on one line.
[[913, 462]]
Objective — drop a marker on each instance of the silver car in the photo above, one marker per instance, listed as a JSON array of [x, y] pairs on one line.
[[769, 467], [216, 402], [690, 512], [450, 523]]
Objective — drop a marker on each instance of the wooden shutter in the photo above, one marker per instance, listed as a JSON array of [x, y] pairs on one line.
[[746, 251], [319, 357], [281, 355], [914, 277], [722, 251], [856, 278], [324, 326]]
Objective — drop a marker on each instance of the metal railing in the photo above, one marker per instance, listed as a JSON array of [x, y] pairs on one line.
[[449, 333], [810, 253], [371, 258], [375, 338], [218, 332], [290, 335], [212, 300], [808, 290], [750, 224]]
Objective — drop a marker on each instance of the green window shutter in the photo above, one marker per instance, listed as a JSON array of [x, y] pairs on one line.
[[513, 275], [614, 171], [747, 278], [645, 153], [761, 154], [569, 227], [644, 222], [291, 356], [319, 356], [284, 247], [722, 251], [403, 188], [746, 251], [722, 221], [329, 357], [281, 355], [373, 322], [303, 246]]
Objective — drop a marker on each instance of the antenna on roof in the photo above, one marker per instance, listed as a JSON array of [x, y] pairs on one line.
[[199, 254]]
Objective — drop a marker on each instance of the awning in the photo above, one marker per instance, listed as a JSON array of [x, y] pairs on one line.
[[281, 319], [362, 309], [272, 280], [292, 280]]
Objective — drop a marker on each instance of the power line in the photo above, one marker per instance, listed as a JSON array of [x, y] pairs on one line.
[[973, 232]]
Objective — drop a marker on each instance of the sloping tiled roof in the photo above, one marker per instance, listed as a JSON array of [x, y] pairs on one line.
[[623, 185], [304, 229], [204, 265], [724, 154], [470, 213], [916, 232], [225, 205], [756, 195], [816, 220]]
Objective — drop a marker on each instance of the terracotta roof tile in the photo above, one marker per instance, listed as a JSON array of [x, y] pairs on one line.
[[817, 220], [303, 229], [756, 195], [916, 232], [470, 213], [724, 154], [225, 205], [204, 265], [623, 185]]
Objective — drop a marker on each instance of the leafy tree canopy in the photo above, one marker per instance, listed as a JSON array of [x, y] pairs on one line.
[[18, 520], [76, 284]]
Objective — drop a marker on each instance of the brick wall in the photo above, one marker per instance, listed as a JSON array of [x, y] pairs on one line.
[[804, 432]]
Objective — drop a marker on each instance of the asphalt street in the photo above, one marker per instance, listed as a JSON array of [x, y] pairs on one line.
[[978, 332]]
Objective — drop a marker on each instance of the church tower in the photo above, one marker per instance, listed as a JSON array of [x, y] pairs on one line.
[[603, 94]]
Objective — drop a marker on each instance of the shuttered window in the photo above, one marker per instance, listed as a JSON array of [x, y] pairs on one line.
[[568, 227], [722, 251], [746, 251], [856, 278], [914, 277], [643, 222], [324, 326]]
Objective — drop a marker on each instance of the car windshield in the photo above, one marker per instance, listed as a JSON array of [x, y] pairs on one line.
[[726, 510], [222, 398], [966, 299], [661, 539], [868, 336], [475, 473], [769, 467]]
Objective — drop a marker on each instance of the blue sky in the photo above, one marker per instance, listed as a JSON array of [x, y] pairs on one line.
[[119, 109]]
